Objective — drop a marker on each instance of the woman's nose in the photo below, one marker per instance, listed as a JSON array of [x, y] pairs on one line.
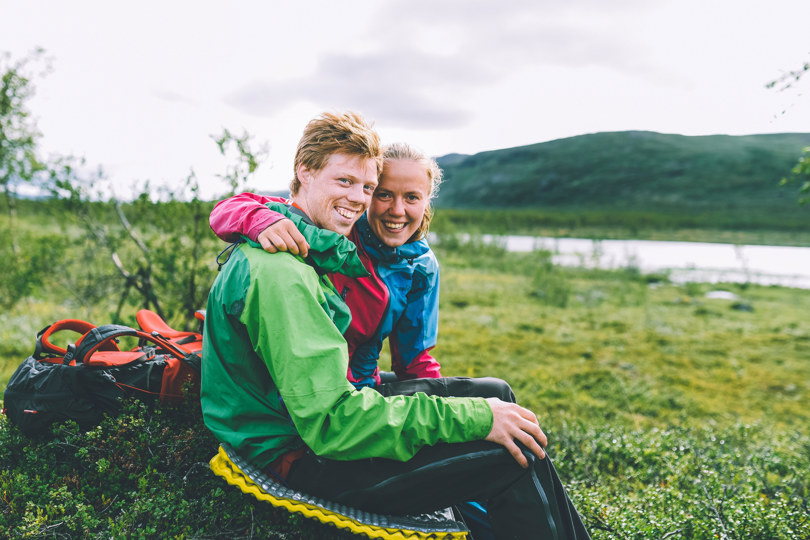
[[397, 206]]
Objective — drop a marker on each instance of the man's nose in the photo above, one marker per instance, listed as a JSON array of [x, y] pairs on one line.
[[357, 193]]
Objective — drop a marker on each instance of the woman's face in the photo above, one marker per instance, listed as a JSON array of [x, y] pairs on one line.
[[399, 202]]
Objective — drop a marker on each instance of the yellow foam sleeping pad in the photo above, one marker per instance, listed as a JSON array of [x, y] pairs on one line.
[[236, 471]]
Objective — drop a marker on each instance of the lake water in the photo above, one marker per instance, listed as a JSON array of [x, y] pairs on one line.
[[684, 261]]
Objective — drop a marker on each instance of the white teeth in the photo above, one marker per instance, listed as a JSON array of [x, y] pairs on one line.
[[395, 226], [348, 214]]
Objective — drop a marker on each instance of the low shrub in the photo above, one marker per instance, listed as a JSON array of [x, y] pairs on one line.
[[144, 474], [740, 482]]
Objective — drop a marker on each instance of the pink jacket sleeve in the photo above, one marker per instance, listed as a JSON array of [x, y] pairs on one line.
[[243, 214], [423, 366]]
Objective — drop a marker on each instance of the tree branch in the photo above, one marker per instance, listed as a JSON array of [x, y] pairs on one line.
[[131, 231]]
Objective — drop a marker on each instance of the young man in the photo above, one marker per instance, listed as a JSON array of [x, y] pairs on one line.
[[274, 381]]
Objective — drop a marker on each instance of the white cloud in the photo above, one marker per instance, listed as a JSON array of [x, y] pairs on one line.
[[404, 88], [139, 88]]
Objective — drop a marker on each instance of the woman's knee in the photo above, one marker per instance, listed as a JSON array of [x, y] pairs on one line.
[[499, 388], [486, 387]]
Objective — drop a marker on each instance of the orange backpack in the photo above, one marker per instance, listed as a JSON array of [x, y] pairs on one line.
[[92, 376]]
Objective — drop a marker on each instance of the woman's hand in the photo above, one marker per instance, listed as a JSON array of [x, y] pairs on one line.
[[283, 235]]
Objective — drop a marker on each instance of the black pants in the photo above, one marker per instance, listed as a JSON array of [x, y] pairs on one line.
[[521, 503], [484, 387]]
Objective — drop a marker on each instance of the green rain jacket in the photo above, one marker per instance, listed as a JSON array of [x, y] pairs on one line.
[[274, 365]]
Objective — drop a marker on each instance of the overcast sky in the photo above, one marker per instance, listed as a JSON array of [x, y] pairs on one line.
[[138, 88]]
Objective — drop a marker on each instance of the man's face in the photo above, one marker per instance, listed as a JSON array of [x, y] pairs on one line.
[[336, 196]]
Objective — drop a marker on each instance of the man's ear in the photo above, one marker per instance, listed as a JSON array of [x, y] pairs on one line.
[[304, 174]]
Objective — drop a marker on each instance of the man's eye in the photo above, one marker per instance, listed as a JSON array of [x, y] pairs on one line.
[[382, 195], [369, 188], [344, 180]]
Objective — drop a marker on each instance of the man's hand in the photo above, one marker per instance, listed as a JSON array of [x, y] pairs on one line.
[[510, 421], [283, 235]]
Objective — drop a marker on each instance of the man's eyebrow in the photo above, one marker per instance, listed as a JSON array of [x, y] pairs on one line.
[[346, 174]]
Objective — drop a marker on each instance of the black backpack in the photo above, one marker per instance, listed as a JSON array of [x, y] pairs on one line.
[[92, 377]]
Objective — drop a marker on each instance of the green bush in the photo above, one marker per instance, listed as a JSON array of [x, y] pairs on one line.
[[25, 270], [740, 482], [145, 475]]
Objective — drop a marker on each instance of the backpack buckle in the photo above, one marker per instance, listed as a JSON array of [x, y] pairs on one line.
[[70, 354]]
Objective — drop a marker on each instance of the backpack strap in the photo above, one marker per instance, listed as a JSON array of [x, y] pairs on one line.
[[44, 347], [99, 337], [151, 322], [95, 339], [192, 359]]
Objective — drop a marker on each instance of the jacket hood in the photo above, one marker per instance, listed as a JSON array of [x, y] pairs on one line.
[[328, 251], [380, 252]]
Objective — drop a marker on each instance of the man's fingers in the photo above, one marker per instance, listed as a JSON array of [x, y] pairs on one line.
[[273, 242], [529, 415], [528, 423], [537, 434], [530, 441], [514, 450], [288, 242], [513, 424]]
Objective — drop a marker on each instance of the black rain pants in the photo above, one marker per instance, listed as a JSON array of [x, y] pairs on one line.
[[521, 503]]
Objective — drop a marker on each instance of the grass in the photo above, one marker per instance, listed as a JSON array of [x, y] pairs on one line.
[[577, 343], [669, 414]]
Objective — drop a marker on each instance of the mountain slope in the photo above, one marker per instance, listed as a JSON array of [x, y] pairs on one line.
[[628, 170]]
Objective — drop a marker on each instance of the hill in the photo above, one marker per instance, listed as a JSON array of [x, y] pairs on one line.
[[630, 170]]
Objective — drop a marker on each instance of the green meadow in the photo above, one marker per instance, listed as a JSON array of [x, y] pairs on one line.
[[669, 414], [625, 347]]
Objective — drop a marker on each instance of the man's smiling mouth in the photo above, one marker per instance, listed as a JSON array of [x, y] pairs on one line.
[[346, 213]]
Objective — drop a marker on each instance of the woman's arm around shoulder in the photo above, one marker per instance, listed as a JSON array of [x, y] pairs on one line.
[[243, 215]]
